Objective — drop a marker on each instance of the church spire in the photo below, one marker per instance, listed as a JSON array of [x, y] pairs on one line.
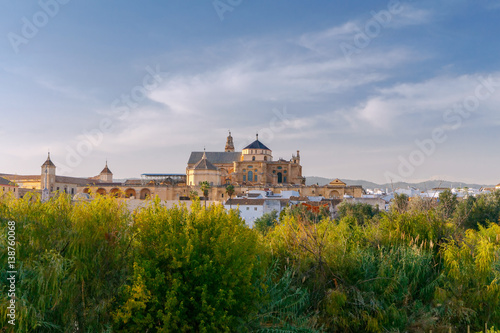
[[229, 143]]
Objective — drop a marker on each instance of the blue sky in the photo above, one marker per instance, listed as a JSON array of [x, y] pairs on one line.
[[379, 90]]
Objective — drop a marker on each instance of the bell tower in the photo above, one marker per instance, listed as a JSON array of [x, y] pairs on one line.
[[48, 178], [229, 143]]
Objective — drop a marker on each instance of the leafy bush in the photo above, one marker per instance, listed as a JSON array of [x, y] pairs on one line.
[[194, 271]]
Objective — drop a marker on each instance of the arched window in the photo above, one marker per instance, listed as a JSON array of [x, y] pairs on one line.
[[244, 178], [253, 158], [280, 178], [255, 178], [250, 176], [265, 158]]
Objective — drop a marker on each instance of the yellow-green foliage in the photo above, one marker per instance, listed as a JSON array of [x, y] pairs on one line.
[[409, 228], [359, 282], [490, 330], [194, 270], [94, 267], [471, 288], [70, 259]]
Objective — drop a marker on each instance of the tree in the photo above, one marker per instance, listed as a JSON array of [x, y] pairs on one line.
[[447, 203], [205, 186], [400, 202], [230, 193], [193, 195], [475, 211], [360, 211], [266, 222]]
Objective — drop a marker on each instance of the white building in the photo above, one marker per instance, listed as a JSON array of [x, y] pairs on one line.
[[250, 209]]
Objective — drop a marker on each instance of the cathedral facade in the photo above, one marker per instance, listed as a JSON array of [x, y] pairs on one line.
[[253, 166]]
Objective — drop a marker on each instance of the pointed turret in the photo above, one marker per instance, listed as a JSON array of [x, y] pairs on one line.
[[48, 162], [106, 176], [48, 174]]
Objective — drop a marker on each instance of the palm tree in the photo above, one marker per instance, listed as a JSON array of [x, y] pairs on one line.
[[193, 195], [204, 187], [230, 192]]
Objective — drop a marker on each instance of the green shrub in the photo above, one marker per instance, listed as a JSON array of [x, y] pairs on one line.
[[194, 271]]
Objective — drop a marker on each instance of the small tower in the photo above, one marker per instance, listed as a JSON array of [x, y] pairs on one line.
[[297, 158], [48, 175], [106, 176], [229, 143]]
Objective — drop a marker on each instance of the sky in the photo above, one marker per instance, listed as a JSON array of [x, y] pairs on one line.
[[380, 90]]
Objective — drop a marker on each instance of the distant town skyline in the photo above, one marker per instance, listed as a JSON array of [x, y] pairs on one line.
[[386, 90]]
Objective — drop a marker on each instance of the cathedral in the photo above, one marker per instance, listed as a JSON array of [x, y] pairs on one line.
[[253, 166]]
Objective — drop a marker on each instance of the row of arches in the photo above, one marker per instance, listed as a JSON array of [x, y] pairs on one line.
[[119, 193]]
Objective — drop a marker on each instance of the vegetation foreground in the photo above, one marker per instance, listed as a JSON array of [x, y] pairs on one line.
[[94, 267]]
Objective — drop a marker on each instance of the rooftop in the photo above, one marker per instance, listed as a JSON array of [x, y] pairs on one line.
[[48, 162], [215, 157], [204, 164], [257, 145], [106, 170], [5, 182]]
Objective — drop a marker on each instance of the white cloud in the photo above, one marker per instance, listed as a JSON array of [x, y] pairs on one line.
[[430, 99], [373, 24], [378, 113], [410, 15]]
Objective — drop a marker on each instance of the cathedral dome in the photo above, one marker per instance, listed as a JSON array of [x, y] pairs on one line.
[[257, 145], [256, 151]]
